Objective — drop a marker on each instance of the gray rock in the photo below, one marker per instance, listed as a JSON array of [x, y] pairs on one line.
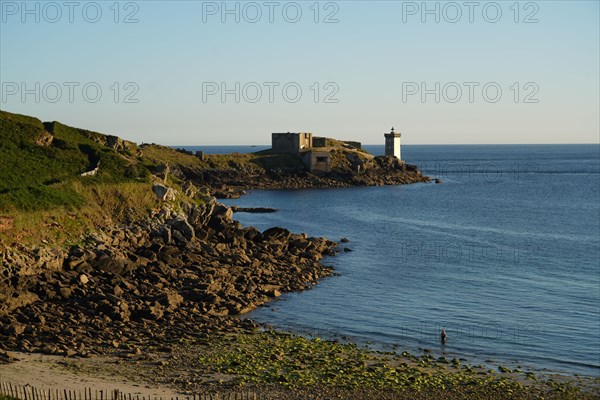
[[162, 231], [182, 226], [162, 171], [223, 212], [163, 193]]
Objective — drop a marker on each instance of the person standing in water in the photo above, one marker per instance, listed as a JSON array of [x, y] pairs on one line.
[[443, 336]]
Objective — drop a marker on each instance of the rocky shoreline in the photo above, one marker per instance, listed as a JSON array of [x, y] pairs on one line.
[[232, 181], [176, 275], [178, 272], [116, 260], [159, 301]]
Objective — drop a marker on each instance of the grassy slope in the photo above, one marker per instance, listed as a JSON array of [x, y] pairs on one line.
[[44, 197], [41, 186], [29, 173], [35, 177]]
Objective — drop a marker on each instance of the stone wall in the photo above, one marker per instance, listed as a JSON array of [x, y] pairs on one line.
[[318, 161], [291, 142]]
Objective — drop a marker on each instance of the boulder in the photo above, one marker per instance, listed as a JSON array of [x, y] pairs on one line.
[[221, 210], [45, 139], [16, 328], [182, 226], [162, 231], [163, 193], [171, 299], [276, 233], [189, 189], [117, 143], [162, 171]]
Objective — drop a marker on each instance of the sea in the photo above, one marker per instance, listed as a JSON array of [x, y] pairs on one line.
[[504, 254]]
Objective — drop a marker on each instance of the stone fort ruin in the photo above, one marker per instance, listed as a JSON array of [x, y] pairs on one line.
[[292, 143], [314, 151]]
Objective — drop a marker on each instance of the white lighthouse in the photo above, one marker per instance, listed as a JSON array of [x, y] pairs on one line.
[[392, 144]]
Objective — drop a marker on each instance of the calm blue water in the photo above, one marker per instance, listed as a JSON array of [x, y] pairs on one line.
[[505, 255]]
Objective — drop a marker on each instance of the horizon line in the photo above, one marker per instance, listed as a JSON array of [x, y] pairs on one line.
[[379, 144]]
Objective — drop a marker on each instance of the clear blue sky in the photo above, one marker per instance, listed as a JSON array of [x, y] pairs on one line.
[[174, 58]]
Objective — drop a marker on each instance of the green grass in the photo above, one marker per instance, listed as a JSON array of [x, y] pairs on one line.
[[44, 197], [41, 183], [42, 193], [259, 161], [38, 177]]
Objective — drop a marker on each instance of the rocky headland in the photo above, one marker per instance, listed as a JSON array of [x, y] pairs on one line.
[[228, 176], [119, 252], [136, 249], [174, 275]]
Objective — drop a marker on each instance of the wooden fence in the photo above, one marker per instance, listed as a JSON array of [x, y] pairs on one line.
[[28, 392]]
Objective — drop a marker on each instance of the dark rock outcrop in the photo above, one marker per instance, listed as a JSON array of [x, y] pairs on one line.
[[168, 277], [349, 170]]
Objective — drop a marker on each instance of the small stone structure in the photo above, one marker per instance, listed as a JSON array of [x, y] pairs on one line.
[[392, 144], [314, 151], [317, 161], [303, 145], [291, 142]]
